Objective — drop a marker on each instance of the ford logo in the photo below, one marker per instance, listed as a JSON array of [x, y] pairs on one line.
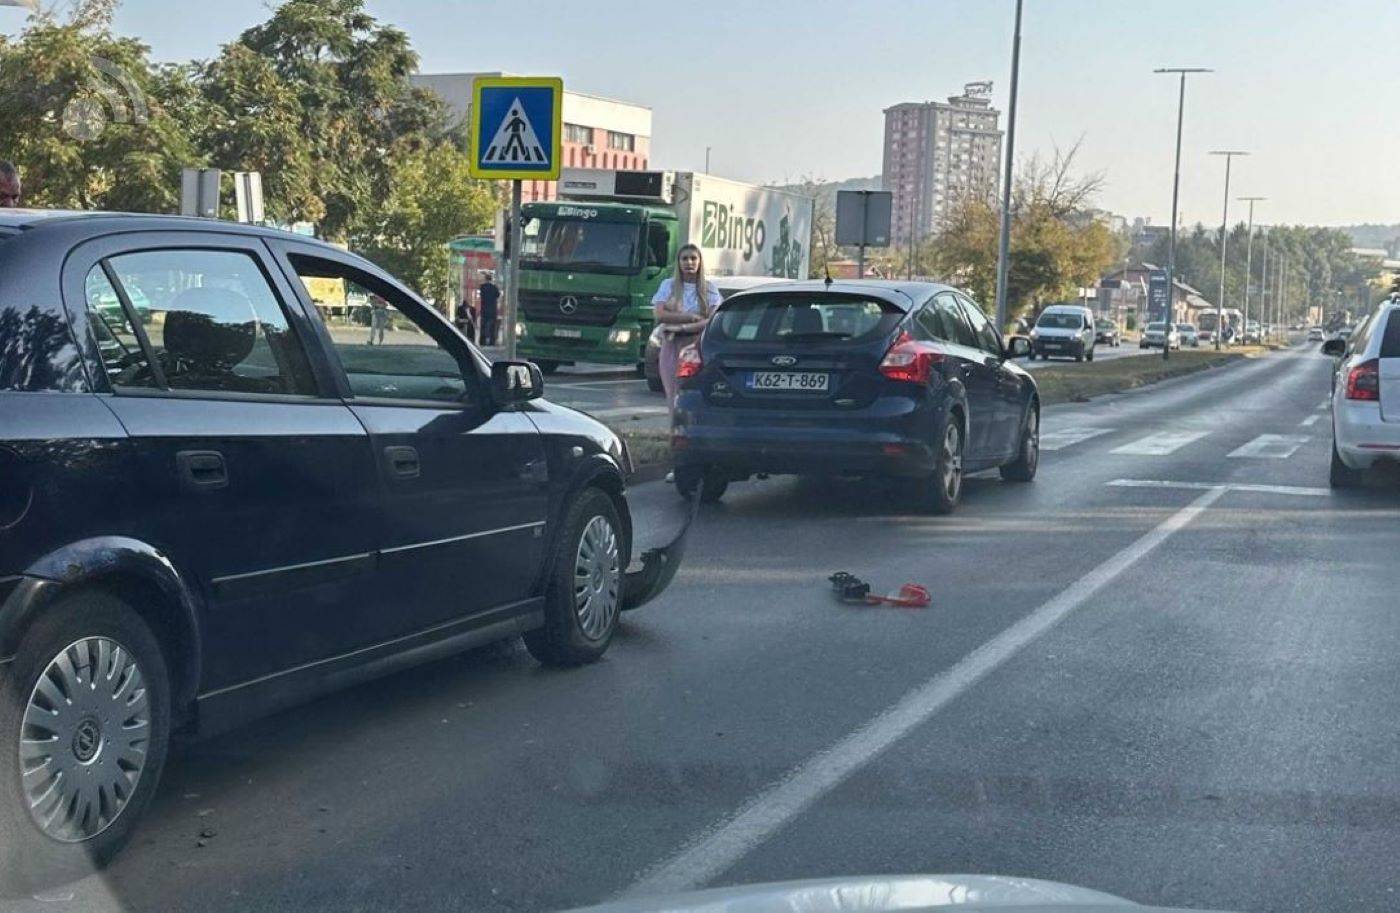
[[568, 304], [784, 361]]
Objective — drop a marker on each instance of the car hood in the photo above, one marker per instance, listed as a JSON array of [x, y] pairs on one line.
[[879, 894]]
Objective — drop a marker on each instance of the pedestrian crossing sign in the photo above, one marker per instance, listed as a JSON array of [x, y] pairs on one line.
[[516, 126]]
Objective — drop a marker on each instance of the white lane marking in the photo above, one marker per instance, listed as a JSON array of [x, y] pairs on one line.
[[1309, 421], [1068, 437], [1223, 486], [1270, 447], [594, 383], [707, 857], [628, 411], [1161, 443]]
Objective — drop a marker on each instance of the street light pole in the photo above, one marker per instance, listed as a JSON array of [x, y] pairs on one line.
[[1249, 258], [707, 159], [1004, 241], [1169, 318], [1224, 234]]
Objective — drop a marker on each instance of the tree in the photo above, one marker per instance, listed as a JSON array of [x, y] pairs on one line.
[[84, 117], [432, 199]]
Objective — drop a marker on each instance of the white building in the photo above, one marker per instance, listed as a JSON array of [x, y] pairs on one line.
[[598, 132], [934, 153]]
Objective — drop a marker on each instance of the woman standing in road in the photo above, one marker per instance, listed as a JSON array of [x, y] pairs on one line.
[[683, 305]]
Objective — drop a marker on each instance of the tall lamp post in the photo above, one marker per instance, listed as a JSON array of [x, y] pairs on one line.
[[1224, 235], [1169, 318], [1004, 241], [1249, 257]]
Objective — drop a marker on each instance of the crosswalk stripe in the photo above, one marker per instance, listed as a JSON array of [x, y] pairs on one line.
[[1160, 444], [1270, 447], [1068, 437]]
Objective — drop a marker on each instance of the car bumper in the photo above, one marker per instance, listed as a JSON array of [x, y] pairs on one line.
[[891, 438], [1064, 348], [1362, 438]]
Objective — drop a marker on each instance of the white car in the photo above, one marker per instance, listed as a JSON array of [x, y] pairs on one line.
[[1366, 397], [1315, 334], [1066, 331], [1152, 337], [1188, 334]]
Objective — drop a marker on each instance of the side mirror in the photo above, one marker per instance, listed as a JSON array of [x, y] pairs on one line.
[[1336, 347], [514, 382], [1018, 347]]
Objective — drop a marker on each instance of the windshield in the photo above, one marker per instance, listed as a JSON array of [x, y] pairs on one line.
[[505, 457], [573, 244], [1060, 321]]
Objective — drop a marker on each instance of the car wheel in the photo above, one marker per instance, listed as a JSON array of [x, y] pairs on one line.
[[583, 594], [654, 385], [84, 731], [1340, 474], [1089, 356], [690, 479], [1079, 356], [546, 365], [1027, 460], [641, 369], [939, 493]]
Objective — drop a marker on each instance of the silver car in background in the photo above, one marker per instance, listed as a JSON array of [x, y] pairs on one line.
[[1186, 332], [1366, 397]]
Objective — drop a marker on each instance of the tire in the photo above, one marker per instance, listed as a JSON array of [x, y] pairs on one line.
[[581, 618], [939, 493], [690, 478], [1089, 356], [1340, 475], [1142, 345], [65, 637], [641, 369], [1027, 461], [655, 386], [546, 365], [1079, 356]]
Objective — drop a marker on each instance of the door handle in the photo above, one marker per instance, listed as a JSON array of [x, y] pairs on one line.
[[403, 462], [202, 470]]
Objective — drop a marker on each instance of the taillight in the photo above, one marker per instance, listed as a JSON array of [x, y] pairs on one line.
[[1364, 381], [909, 360], [688, 362]]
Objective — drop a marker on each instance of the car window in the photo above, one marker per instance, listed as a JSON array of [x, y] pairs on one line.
[[821, 316], [1361, 336], [1390, 342], [213, 321], [387, 345], [950, 321], [988, 339], [123, 357]]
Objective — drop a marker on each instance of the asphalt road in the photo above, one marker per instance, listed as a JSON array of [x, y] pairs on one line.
[[1166, 670]]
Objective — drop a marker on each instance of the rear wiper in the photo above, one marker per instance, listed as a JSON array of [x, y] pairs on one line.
[[822, 334]]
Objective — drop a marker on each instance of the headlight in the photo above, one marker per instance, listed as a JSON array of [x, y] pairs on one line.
[[620, 337], [519, 330], [1034, 335]]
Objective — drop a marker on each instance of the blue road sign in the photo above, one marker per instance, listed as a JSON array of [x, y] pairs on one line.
[[1157, 295], [516, 126]]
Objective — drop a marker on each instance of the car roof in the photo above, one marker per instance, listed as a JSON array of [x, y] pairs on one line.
[[901, 294], [99, 221]]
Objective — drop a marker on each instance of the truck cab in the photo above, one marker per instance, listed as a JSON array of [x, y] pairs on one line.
[[589, 267]]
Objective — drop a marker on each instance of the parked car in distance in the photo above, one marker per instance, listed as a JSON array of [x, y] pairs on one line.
[[1253, 333], [726, 285], [907, 380], [1314, 334], [1186, 332], [237, 503], [1107, 332], [1064, 331], [1366, 397], [1152, 336]]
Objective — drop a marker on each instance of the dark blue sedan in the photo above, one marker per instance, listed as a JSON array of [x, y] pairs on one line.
[[901, 379]]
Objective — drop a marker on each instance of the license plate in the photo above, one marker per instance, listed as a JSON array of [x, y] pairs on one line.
[[813, 381], [568, 334]]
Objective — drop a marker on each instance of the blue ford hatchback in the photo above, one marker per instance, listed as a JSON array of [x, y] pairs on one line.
[[281, 473], [875, 378]]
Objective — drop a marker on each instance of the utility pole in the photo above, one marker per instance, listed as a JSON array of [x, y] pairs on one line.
[[1004, 241], [1249, 258], [1169, 318], [1264, 288], [1224, 234]]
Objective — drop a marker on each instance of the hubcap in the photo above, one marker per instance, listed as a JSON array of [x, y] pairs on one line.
[[83, 741], [1032, 440], [952, 462], [596, 578]]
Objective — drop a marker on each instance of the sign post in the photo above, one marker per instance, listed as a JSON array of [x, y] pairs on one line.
[[516, 130], [863, 220]]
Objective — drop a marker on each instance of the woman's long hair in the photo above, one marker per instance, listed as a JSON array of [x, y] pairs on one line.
[[677, 300]]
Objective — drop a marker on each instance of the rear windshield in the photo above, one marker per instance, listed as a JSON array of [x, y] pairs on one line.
[[1060, 321], [1186, 327], [1390, 343], [804, 318]]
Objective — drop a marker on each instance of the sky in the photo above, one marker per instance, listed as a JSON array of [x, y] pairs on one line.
[[787, 89]]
